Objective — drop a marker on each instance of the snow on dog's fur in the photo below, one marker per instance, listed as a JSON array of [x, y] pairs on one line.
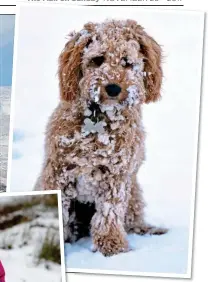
[[95, 138]]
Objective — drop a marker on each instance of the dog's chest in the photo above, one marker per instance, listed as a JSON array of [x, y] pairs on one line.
[[88, 153], [86, 188]]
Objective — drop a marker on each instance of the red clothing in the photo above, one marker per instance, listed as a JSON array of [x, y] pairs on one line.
[[2, 273]]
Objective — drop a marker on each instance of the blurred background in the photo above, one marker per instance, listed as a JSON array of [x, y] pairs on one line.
[[7, 23]]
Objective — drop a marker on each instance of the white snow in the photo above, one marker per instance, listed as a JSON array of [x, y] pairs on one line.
[[95, 92], [133, 95], [87, 112], [104, 138], [168, 176], [66, 141], [19, 267], [145, 255], [21, 261], [83, 34]]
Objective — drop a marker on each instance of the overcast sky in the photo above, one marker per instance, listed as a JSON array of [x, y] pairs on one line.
[[6, 48]]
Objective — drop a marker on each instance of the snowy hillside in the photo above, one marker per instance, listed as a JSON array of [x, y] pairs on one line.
[[5, 95], [29, 238]]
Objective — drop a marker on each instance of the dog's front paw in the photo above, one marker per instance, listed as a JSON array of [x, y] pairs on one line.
[[112, 243]]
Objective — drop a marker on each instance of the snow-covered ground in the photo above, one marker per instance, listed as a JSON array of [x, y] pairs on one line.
[[169, 173], [20, 267], [21, 243], [150, 254]]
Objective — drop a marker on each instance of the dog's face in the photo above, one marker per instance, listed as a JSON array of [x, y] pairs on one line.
[[111, 63], [112, 69]]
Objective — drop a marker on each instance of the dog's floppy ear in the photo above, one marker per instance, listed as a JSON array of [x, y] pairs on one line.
[[69, 71], [152, 66]]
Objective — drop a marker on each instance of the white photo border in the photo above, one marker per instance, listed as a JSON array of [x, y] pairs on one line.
[[188, 275]]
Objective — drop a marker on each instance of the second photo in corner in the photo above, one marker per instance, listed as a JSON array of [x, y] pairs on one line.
[[105, 107], [31, 237]]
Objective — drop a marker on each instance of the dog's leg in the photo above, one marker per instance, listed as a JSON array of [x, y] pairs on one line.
[[107, 225], [134, 220], [70, 227], [62, 179]]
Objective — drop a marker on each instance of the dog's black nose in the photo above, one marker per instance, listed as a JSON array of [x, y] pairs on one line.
[[113, 90]]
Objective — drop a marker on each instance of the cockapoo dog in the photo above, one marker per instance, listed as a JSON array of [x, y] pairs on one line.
[[95, 138]]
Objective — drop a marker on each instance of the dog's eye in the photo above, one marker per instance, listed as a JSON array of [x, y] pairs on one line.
[[125, 63], [97, 61]]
